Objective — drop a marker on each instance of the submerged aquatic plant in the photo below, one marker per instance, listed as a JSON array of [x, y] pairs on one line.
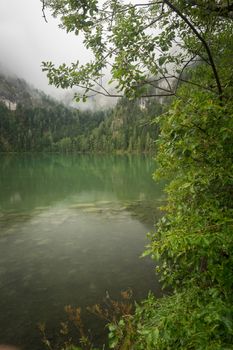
[[73, 334]]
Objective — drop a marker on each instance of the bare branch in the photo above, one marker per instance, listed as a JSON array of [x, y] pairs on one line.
[[43, 11], [107, 94], [102, 87], [194, 84], [167, 81], [182, 71]]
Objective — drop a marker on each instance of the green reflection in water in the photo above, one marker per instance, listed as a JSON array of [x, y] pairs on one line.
[[71, 227]]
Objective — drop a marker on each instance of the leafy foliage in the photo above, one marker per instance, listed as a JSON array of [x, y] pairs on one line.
[[193, 242], [142, 45], [186, 320], [180, 48]]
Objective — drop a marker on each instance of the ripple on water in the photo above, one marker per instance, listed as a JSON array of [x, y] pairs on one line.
[[43, 242]]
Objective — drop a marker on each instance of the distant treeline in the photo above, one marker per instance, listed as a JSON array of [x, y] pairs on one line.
[[128, 127]]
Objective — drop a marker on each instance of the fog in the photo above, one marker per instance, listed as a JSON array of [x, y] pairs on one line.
[[27, 40]]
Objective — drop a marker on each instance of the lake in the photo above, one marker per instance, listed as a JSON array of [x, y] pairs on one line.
[[72, 229]]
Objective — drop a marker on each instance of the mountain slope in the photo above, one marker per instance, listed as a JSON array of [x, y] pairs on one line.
[[32, 121]]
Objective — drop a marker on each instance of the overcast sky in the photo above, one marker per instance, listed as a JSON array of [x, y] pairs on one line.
[[26, 40]]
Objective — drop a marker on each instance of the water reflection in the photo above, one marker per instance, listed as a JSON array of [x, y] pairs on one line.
[[71, 228], [31, 181]]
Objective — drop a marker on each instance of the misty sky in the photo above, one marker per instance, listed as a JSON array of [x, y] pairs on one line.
[[27, 40]]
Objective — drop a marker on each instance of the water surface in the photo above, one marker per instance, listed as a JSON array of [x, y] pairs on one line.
[[71, 228]]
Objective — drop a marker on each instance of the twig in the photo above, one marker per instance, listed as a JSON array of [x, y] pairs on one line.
[[43, 11]]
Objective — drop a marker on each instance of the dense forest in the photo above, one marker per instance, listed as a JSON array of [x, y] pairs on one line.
[[39, 123]]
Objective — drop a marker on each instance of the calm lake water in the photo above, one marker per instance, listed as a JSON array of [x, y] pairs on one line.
[[71, 228]]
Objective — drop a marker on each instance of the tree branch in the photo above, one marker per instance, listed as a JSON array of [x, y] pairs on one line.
[[182, 71], [43, 11], [206, 46]]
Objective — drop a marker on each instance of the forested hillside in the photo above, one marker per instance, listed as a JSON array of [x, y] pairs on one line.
[[32, 121], [130, 126]]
